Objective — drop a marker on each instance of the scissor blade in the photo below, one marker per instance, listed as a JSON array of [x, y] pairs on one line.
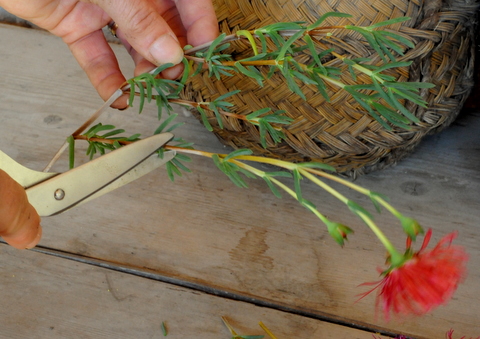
[[70, 188], [151, 163], [23, 175]]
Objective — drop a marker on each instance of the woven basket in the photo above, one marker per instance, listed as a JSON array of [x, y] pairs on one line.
[[340, 132]]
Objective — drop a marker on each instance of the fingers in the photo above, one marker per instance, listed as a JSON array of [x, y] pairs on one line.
[[193, 22], [145, 29], [142, 65], [19, 222], [199, 20], [153, 33], [97, 59]]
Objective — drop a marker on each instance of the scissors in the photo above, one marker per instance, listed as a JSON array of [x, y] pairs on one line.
[[54, 193]]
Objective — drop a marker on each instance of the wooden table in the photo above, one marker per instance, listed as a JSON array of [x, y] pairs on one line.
[[189, 252]]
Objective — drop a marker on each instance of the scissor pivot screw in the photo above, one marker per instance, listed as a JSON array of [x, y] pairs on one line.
[[59, 194]]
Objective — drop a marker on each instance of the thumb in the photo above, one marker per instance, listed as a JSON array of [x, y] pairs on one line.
[[19, 222], [145, 30]]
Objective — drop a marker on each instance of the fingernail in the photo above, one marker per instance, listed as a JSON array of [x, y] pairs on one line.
[[165, 50], [36, 240]]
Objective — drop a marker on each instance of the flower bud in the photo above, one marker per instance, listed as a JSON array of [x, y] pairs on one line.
[[339, 232], [411, 227]]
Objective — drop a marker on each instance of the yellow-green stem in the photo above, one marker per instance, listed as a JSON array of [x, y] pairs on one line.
[[281, 185], [389, 207], [280, 163], [357, 188], [335, 178], [323, 185], [388, 245], [265, 328], [395, 257], [294, 195]]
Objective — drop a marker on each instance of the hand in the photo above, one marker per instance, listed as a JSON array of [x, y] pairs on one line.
[[153, 32], [19, 222]]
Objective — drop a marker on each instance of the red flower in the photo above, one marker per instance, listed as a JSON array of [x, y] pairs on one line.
[[425, 280], [450, 333]]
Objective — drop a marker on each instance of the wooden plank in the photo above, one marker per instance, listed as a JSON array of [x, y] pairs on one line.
[[49, 297], [204, 230]]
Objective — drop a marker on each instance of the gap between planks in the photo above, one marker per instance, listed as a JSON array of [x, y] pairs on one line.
[[144, 273]]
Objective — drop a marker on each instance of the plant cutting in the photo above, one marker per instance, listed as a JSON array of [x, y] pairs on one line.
[[287, 50]]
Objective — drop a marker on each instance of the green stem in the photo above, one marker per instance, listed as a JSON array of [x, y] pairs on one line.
[[331, 80], [396, 258], [389, 207], [341, 181], [284, 187], [357, 188], [325, 186]]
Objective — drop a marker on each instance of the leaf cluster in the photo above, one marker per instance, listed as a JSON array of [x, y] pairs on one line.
[[110, 134], [175, 166], [214, 58], [383, 98], [383, 102], [151, 85], [266, 121], [232, 169], [382, 41], [217, 106]]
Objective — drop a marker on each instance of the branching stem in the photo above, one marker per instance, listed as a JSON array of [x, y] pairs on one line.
[[285, 33], [117, 94]]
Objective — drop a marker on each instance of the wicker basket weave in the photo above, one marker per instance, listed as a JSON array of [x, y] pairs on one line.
[[339, 132]]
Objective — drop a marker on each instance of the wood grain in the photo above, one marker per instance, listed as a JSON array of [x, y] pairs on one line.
[[49, 297], [203, 230]]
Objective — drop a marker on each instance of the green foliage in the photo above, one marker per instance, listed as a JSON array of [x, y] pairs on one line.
[[357, 209], [322, 18], [374, 197], [216, 106], [382, 99], [164, 329], [213, 58], [101, 147], [233, 170], [268, 176], [383, 41], [251, 72], [316, 165], [165, 89], [264, 121], [175, 166]]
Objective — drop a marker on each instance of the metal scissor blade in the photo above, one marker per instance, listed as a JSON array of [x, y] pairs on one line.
[[151, 163], [21, 174], [70, 188]]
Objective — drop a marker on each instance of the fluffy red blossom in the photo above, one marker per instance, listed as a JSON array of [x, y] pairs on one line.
[[427, 279], [450, 335]]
